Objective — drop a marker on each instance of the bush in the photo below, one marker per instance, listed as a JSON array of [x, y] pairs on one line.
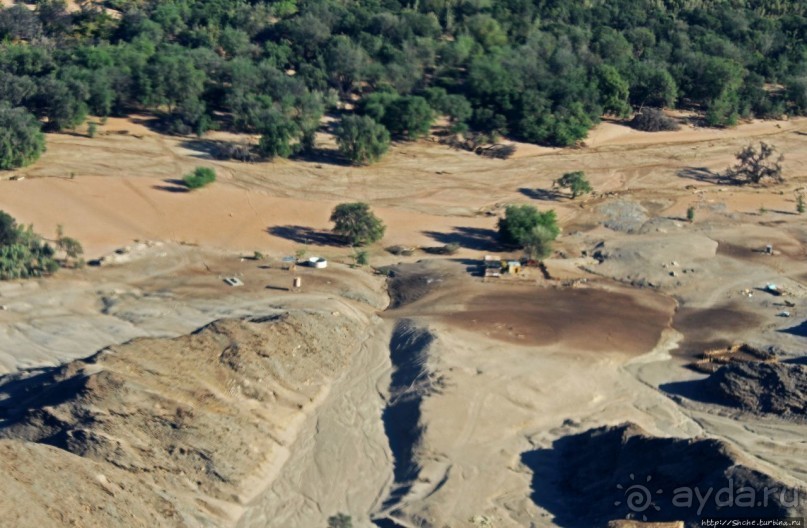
[[361, 139], [362, 257], [653, 120], [357, 224], [340, 520], [200, 177], [21, 138]]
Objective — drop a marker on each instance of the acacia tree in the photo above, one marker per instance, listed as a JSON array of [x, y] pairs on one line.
[[357, 224], [755, 165], [575, 182]]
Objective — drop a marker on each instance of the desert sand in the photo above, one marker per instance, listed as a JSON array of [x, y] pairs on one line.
[[424, 405]]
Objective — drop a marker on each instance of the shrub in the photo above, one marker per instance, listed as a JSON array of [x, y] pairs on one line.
[[200, 177], [340, 520], [362, 257], [653, 120]]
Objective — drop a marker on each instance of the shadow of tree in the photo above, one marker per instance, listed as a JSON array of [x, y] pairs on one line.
[[705, 175], [323, 155], [205, 148], [799, 330], [541, 194], [468, 237], [306, 235], [172, 185]]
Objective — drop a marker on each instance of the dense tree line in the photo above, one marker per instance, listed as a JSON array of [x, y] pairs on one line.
[[541, 71]]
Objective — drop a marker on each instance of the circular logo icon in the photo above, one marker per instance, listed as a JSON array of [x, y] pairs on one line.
[[638, 497]]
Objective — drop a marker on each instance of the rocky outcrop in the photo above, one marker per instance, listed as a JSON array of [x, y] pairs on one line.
[[761, 388], [184, 430]]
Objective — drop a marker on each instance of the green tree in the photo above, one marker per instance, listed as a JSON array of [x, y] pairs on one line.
[[690, 214], [8, 229], [410, 117], [538, 241], [517, 226], [653, 86], [347, 63], [357, 224], [576, 182], [200, 177], [613, 90], [797, 94], [21, 138], [361, 139], [456, 107], [61, 102], [277, 134]]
